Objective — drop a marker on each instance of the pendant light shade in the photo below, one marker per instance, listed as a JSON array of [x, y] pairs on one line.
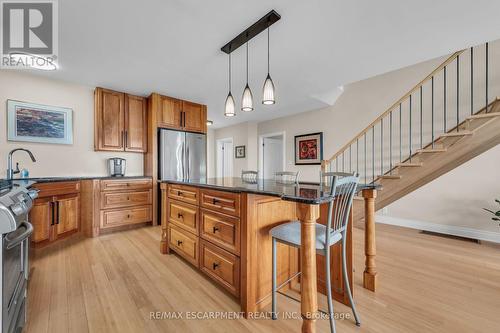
[[247, 98], [229, 106], [268, 97], [268, 91], [229, 110]]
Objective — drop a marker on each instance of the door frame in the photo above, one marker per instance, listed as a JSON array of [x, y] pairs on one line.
[[261, 151], [218, 154]]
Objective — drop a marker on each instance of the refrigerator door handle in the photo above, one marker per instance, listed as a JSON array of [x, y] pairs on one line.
[[187, 161]]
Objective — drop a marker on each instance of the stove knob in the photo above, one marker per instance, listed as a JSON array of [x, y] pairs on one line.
[[33, 194], [18, 208]]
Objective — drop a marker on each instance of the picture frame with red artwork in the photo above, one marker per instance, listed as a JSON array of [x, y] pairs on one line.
[[309, 149]]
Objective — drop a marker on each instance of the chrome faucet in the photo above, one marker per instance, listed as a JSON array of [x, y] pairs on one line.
[[10, 171]]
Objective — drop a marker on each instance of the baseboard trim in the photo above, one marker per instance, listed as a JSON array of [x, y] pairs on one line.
[[484, 235]]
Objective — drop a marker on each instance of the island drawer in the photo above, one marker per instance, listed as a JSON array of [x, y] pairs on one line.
[[114, 218], [184, 244], [222, 230], [126, 184], [221, 266], [183, 193], [183, 215], [223, 202], [125, 199]]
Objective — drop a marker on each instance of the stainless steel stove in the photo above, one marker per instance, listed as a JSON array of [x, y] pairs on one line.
[[16, 200]]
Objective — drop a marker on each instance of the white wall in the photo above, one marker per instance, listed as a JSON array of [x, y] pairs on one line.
[[78, 159]]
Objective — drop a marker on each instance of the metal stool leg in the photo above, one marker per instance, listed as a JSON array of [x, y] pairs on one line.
[[346, 281], [329, 290], [273, 314]]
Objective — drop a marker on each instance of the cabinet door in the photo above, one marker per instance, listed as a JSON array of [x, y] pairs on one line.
[[195, 119], [135, 124], [109, 120], [170, 113], [41, 217], [68, 213]]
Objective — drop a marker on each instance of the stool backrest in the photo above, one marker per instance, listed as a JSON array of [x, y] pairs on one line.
[[286, 177], [249, 176], [343, 188]]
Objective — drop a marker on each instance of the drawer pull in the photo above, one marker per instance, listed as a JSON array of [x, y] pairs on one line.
[[215, 201], [180, 216], [179, 193], [179, 243], [215, 229], [214, 266], [128, 198], [128, 216]]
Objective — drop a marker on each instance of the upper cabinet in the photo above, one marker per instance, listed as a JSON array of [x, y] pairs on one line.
[[120, 121], [182, 115]]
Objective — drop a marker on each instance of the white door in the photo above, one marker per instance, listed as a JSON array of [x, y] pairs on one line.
[[225, 158], [272, 156]]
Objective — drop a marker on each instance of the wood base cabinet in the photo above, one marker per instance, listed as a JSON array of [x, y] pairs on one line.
[[56, 212]]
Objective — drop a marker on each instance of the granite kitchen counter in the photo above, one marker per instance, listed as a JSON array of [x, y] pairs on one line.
[[74, 178], [309, 193]]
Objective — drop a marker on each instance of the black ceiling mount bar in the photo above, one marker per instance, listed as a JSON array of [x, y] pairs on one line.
[[252, 31]]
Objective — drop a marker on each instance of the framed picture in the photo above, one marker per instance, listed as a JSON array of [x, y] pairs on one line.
[[239, 152], [39, 123], [309, 149]]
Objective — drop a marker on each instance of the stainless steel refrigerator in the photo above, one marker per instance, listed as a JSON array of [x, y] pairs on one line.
[[183, 155]]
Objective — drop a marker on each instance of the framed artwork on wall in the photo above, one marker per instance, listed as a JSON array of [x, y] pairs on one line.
[[309, 149], [239, 152], [39, 123]]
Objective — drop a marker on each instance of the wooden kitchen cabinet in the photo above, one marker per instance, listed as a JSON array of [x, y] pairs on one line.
[[120, 121], [181, 115], [56, 212]]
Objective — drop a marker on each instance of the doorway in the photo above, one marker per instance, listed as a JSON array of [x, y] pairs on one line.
[[224, 165], [272, 154]]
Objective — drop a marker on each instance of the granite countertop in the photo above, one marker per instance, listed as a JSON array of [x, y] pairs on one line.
[[309, 193], [72, 178]]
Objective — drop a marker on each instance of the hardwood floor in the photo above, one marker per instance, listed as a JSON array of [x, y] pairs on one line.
[[113, 283]]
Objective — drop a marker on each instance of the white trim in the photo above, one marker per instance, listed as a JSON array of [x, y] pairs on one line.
[[218, 156], [484, 235], [261, 151]]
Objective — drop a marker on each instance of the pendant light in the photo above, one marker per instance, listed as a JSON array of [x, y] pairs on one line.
[[268, 89], [229, 107], [247, 99]]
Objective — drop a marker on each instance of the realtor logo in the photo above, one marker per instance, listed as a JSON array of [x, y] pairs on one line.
[[29, 34]]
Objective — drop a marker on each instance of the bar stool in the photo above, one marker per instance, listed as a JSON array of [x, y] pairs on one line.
[[286, 177], [249, 176], [343, 189]]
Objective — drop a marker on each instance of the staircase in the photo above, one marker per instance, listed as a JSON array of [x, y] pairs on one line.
[[412, 143]]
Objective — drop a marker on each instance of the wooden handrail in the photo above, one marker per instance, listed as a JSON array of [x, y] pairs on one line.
[[401, 100]]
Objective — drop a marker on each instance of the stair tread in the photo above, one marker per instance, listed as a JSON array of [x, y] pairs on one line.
[[431, 150], [484, 115], [409, 164], [390, 177], [454, 134]]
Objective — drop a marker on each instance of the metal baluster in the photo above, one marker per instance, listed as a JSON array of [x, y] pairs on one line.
[[390, 142], [382, 146], [444, 104], [487, 77], [421, 119], [410, 131], [357, 155], [365, 157], [432, 110], [373, 153], [350, 158], [458, 92], [400, 136], [471, 81]]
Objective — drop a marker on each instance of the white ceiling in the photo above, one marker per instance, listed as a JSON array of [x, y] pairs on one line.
[[173, 46]]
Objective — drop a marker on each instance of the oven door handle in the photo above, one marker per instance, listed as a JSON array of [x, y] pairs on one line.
[[11, 243]]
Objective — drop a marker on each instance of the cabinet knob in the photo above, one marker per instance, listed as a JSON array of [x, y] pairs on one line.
[[214, 266], [180, 216], [128, 216], [215, 229], [179, 243]]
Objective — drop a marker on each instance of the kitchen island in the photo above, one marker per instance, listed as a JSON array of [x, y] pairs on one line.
[[221, 226]]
